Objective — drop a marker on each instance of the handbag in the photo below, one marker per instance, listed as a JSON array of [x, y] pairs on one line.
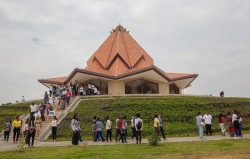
[[203, 124]]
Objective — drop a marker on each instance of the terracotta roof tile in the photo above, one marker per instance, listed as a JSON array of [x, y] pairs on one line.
[[119, 54], [59, 80]]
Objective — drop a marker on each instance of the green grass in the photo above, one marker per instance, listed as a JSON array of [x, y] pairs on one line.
[[202, 149], [179, 113], [13, 110]]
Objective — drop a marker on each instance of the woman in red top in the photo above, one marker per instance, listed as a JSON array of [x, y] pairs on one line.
[[119, 124], [221, 123], [68, 95]]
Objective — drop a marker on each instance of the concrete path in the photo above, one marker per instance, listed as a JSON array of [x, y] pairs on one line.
[[11, 146]]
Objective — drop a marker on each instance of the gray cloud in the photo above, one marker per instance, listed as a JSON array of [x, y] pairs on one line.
[[40, 39]]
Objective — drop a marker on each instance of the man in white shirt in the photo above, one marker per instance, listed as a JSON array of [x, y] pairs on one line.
[[50, 90], [95, 90], [33, 109], [208, 121], [108, 129], [235, 121]]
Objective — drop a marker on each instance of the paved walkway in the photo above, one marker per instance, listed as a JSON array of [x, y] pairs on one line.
[[11, 146]]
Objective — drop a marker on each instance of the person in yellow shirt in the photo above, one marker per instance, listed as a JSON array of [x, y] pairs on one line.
[[157, 124], [17, 124]]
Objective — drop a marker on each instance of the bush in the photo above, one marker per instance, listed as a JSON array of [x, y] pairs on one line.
[[154, 139]]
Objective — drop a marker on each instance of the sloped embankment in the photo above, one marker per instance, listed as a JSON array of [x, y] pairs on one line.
[[179, 112]]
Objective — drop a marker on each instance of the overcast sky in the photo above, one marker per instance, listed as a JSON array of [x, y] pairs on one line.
[[44, 38]]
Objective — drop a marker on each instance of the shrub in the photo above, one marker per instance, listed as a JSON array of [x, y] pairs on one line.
[[154, 139]]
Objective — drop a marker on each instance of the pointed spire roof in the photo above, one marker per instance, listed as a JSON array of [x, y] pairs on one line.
[[120, 57], [119, 54]]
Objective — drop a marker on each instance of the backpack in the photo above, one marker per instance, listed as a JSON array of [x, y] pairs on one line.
[[139, 125]]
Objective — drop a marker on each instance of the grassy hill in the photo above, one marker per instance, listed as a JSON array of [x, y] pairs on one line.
[[13, 110], [178, 111]]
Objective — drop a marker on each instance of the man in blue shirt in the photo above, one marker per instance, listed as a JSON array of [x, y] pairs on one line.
[[99, 130], [161, 126]]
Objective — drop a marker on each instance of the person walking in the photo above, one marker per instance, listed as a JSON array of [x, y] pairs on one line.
[[17, 124], [235, 122], [156, 124], [62, 102], [51, 99], [54, 125], [79, 130], [133, 127], [208, 121], [108, 129], [42, 111], [68, 95], [38, 124], [221, 123], [240, 123], [230, 124], [32, 130], [74, 127], [125, 128], [200, 124], [138, 128], [26, 130], [99, 130], [57, 103], [33, 109], [7, 129], [46, 97], [50, 89], [81, 91], [161, 126], [117, 130]]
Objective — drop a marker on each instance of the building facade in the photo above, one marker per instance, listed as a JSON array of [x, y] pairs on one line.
[[121, 66]]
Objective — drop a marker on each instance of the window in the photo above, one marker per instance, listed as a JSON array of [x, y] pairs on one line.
[[173, 89], [141, 87]]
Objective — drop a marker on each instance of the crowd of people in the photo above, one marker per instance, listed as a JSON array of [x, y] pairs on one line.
[[73, 88], [233, 120], [121, 128], [30, 129], [33, 124]]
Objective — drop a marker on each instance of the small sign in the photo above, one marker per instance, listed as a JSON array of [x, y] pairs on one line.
[[52, 113]]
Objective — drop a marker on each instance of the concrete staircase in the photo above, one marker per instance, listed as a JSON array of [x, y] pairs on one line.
[[60, 114]]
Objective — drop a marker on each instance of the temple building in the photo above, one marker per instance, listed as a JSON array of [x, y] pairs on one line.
[[121, 66]]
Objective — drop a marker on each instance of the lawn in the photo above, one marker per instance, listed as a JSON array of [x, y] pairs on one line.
[[229, 149], [179, 112]]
